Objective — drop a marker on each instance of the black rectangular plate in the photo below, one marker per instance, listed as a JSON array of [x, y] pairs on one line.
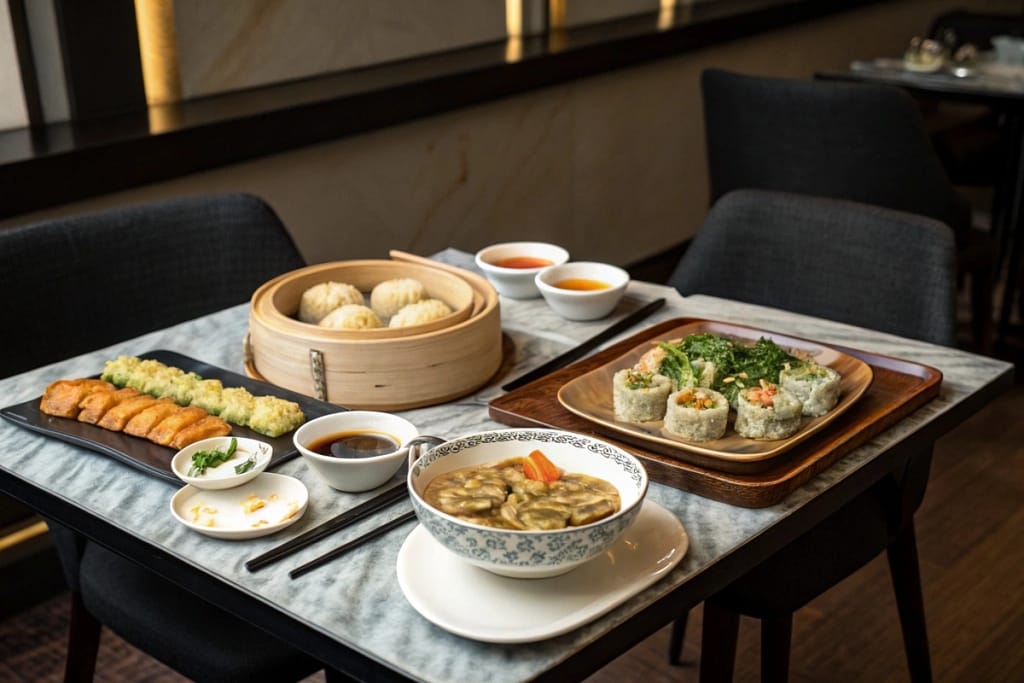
[[146, 455]]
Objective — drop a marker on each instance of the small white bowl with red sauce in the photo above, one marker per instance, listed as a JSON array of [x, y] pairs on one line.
[[582, 290], [512, 266]]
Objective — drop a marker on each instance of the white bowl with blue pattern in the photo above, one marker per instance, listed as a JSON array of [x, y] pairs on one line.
[[529, 554]]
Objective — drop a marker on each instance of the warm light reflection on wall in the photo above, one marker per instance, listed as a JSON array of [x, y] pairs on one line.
[[514, 28], [666, 14], [158, 47]]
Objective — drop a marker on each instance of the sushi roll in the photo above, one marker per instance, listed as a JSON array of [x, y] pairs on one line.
[[639, 396], [817, 387], [699, 414], [767, 412]]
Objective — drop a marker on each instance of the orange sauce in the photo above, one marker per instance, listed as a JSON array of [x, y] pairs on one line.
[[523, 262], [581, 284]]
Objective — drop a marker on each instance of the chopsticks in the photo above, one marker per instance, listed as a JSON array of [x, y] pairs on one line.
[[387, 497], [351, 545], [587, 346]]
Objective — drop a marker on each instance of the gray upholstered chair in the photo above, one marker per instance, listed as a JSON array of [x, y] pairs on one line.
[[858, 264], [80, 283], [861, 142]]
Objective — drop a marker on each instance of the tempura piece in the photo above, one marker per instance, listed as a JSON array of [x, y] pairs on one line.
[[238, 406], [206, 394], [272, 416], [143, 423], [168, 428], [117, 417], [205, 428], [95, 405], [63, 398]]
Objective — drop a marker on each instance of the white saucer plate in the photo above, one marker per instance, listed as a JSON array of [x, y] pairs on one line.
[[263, 506], [476, 604]]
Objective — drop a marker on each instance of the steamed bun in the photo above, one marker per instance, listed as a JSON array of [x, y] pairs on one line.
[[390, 296], [321, 299], [419, 313], [351, 317]]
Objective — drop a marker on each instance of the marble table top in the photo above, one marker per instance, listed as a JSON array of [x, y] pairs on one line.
[[357, 601]]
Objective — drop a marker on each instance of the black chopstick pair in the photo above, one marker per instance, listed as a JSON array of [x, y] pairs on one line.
[[389, 496], [586, 347]]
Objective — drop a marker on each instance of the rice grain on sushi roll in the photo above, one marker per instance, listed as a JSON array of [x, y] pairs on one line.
[[698, 414], [817, 387], [639, 396], [767, 412]]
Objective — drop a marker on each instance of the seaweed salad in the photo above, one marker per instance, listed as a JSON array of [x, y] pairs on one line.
[[722, 364]]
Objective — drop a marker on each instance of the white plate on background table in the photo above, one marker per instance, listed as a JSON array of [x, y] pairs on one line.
[[231, 513], [476, 604]]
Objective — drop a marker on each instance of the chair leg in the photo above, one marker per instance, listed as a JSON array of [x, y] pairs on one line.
[[982, 308], [83, 643], [676, 639], [906, 581], [776, 637], [718, 643]]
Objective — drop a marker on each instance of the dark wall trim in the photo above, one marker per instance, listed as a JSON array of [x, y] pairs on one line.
[[56, 164], [100, 49]]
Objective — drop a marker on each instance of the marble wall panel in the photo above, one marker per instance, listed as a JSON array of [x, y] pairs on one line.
[[234, 44]]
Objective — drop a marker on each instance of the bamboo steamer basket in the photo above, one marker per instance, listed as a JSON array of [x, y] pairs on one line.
[[386, 369]]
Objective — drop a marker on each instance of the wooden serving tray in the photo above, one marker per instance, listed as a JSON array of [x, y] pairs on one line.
[[899, 388]]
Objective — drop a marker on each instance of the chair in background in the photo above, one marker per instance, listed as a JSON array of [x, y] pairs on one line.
[[859, 264], [76, 284], [860, 142], [973, 141]]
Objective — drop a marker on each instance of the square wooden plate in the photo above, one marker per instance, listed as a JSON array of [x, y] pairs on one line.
[[590, 397]]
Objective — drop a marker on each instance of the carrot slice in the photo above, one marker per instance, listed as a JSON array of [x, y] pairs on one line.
[[536, 466]]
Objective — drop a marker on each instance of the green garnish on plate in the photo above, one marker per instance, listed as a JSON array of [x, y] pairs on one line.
[[202, 460]]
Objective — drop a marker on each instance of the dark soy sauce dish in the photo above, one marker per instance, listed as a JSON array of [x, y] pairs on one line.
[[362, 443]]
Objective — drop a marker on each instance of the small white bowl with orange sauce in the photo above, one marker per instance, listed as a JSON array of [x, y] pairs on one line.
[[512, 266], [582, 290]]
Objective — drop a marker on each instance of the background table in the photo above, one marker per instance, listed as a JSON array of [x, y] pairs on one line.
[[1001, 89], [352, 614]]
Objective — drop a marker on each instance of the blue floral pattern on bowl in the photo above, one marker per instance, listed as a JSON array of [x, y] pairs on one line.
[[531, 553]]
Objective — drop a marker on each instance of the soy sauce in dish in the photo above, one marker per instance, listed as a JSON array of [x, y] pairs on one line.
[[361, 443], [523, 262]]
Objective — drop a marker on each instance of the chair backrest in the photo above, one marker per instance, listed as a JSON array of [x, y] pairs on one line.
[[835, 259], [862, 142], [71, 285]]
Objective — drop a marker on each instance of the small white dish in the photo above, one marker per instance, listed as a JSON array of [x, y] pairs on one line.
[[223, 476], [264, 506], [355, 474], [477, 604], [563, 288], [518, 282]]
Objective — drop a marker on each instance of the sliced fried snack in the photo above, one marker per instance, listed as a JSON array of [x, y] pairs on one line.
[[63, 397], [210, 425], [143, 423], [167, 428], [95, 405], [117, 417]]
